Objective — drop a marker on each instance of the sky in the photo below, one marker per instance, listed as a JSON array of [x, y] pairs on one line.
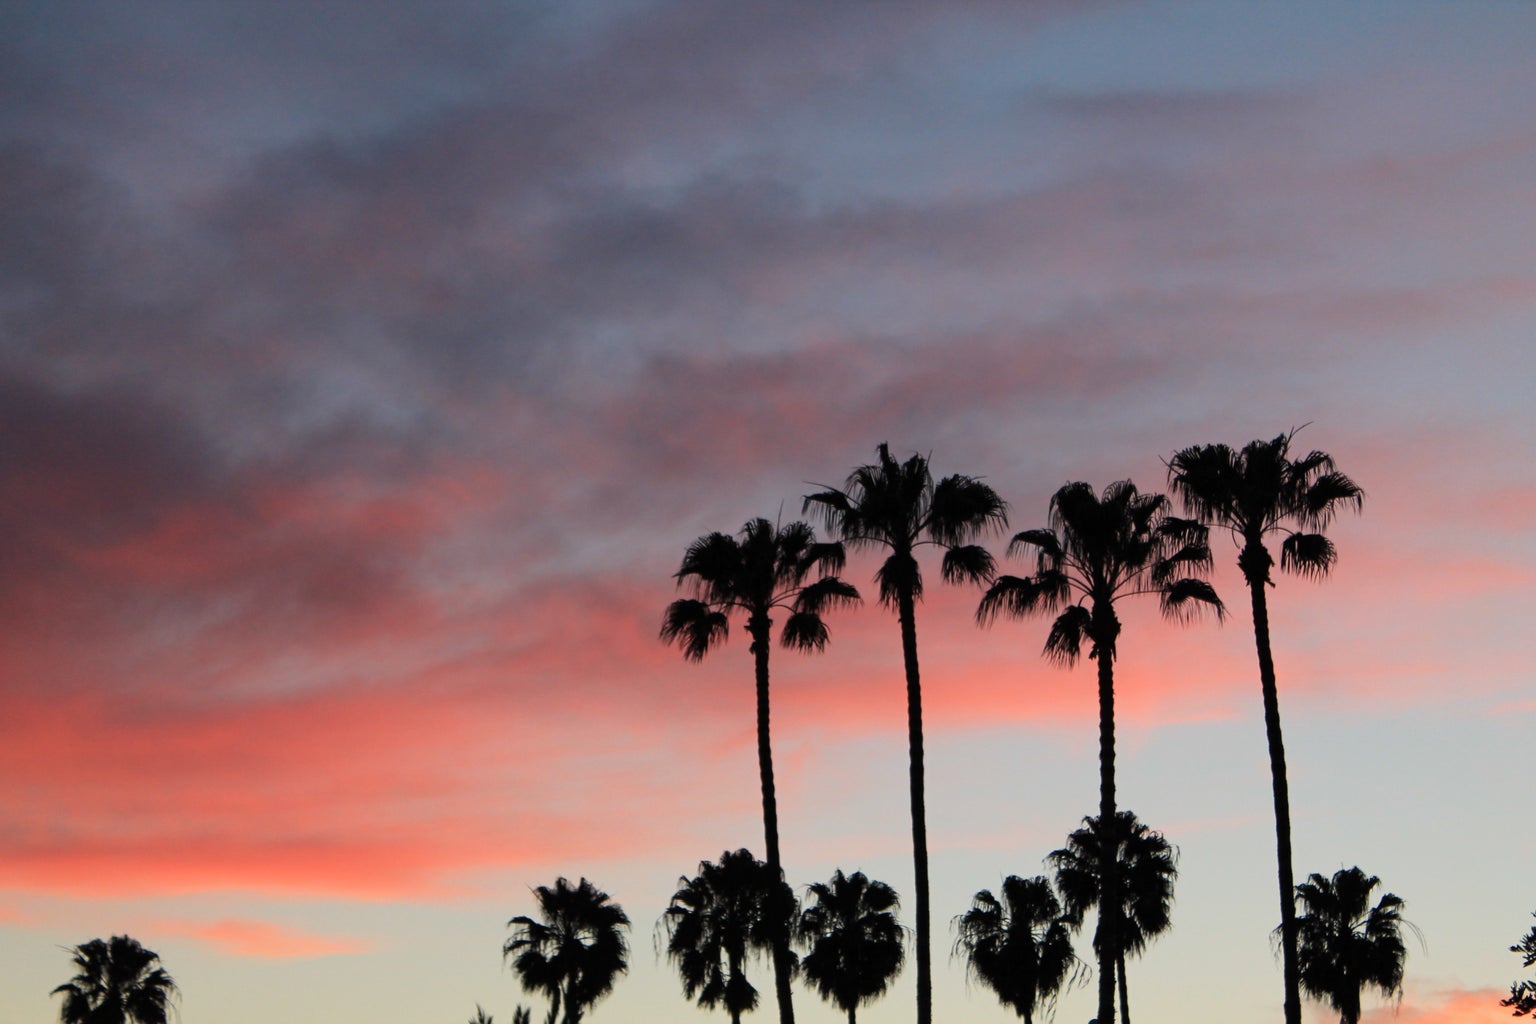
[[367, 367]]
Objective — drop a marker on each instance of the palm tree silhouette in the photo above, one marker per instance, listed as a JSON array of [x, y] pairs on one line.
[[898, 506], [481, 1017], [1522, 994], [116, 981], [1018, 946], [717, 920], [852, 938], [1345, 944], [1098, 550], [576, 950], [1148, 866], [766, 569], [1254, 493]]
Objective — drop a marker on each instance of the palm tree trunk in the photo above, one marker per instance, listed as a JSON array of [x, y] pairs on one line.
[[781, 968], [554, 1007], [1125, 998], [907, 614], [852, 1018], [1105, 630], [1287, 877]]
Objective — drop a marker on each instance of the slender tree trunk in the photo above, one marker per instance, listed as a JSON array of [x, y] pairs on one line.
[[1106, 628], [907, 614], [781, 964], [1125, 998], [554, 1007], [1287, 877], [852, 1018]]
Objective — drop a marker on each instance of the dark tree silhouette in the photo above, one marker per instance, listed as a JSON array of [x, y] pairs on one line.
[[1148, 866], [1344, 944], [481, 1017], [1522, 994], [897, 506], [117, 981], [852, 940], [1098, 550], [1255, 493], [1018, 946], [766, 569], [574, 952], [520, 1015], [732, 910]]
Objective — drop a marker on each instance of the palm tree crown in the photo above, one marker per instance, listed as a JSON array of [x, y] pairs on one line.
[[897, 506], [1345, 944], [117, 981], [1255, 493], [1097, 550], [730, 911], [574, 952], [853, 940], [1148, 866], [1018, 946]]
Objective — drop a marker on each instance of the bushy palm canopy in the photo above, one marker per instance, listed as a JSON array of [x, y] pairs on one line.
[[898, 507], [731, 911], [117, 981], [1018, 946], [574, 951], [1522, 994], [853, 942], [1345, 943], [762, 568], [1261, 490]]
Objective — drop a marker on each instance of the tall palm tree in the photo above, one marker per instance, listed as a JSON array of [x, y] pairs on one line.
[[853, 942], [1098, 550], [574, 952], [1254, 494], [116, 981], [767, 569], [897, 506], [1148, 866], [1345, 944], [1018, 946], [715, 921]]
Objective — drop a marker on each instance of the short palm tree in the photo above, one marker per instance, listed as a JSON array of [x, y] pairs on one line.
[[898, 507], [1254, 494], [1345, 944], [574, 952], [1148, 866], [717, 920], [1522, 994], [117, 981], [853, 942], [1018, 946], [1098, 550], [768, 568]]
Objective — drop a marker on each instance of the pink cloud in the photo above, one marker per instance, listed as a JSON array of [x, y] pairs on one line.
[[1454, 1006], [265, 940]]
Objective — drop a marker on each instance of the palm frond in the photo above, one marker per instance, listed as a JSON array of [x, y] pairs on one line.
[[693, 626], [970, 563], [1064, 643], [898, 574], [1045, 542], [805, 631], [825, 594], [964, 508], [1185, 599], [1021, 596], [1308, 555]]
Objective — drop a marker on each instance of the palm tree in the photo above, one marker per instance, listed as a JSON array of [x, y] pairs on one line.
[[575, 952], [1148, 866], [1345, 944], [852, 939], [116, 981], [1522, 994], [731, 910], [520, 1015], [481, 1017], [766, 569], [1098, 550], [1255, 493], [1018, 946], [898, 506]]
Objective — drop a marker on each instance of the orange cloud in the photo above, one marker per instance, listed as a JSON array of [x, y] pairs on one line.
[[1455, 1006], [265, 940]]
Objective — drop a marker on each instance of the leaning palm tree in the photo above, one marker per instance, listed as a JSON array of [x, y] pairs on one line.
[[766, 570], [116, 981], [897, 506], [1098, 550], [1148, 866], [1344, 944], [716, 921], [1255, 493], [574, 952], [1018, 946], [852, 939]]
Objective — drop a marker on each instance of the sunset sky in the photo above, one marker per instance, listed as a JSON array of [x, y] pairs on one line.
[[367, 367]]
